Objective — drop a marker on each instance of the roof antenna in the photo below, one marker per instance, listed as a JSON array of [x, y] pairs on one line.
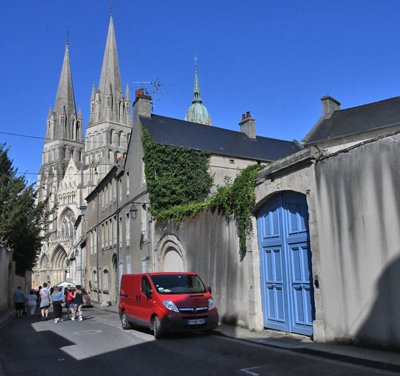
[[156, 90]]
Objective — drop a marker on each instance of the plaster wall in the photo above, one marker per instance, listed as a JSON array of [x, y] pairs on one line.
[[336, 144], [358, 220], [6, 277], [209, 246], [221, 166]]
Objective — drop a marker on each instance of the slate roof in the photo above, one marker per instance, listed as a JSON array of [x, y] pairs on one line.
[[169, 131], [356, 120]]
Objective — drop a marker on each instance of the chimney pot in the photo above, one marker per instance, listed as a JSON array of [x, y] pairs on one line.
[[141, 92], [248, 114], [243, 116]]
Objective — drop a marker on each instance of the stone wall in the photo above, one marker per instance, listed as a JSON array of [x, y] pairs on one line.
[[358, 220], [209, 246]]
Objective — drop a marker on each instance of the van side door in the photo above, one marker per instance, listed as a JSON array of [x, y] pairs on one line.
[[146, 301]]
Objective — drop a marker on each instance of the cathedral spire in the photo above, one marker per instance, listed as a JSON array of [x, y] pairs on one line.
[[196, 90], [110, 74], [197, 111], [65, 100]]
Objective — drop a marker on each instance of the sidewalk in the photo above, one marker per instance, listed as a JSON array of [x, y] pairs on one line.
[[385, 360]]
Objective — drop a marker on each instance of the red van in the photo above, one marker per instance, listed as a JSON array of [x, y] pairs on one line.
[[167, 302]]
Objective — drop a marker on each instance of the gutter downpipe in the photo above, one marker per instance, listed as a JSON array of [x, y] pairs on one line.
[[97, 245], [117, 229]]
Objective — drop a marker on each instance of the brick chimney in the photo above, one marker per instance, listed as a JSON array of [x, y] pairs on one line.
[[248, 125], [329, 106], [142, 104]]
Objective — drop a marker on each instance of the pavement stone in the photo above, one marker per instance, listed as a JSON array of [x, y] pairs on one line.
[[381, 359]]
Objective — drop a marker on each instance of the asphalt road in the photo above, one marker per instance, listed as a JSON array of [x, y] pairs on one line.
[[98, 346]]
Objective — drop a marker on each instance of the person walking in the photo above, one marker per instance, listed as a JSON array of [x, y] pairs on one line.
[[68, 298], [78, 303], [57, 298], [38, 301], [31, 302], [19, 301], [44, 294]]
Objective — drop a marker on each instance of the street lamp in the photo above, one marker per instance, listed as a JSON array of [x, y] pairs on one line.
[[133, 211]]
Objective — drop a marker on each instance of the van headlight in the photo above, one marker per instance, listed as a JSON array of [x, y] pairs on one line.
[[211, 304], [170, 305]]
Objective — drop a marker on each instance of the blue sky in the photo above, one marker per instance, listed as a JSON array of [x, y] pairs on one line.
[[275, 59]]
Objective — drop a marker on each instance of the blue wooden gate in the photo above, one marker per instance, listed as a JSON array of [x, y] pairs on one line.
[[286, 276]]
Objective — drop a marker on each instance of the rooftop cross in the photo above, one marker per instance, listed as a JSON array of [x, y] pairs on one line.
[[111, 8], [67, 36]]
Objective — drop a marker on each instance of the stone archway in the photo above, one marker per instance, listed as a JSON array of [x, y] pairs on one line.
[[170, 255], [58, 265]]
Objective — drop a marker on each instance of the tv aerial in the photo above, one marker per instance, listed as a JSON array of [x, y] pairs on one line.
[[154, 90]]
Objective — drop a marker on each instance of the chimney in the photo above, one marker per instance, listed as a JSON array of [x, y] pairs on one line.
[[141, 105], [329, 106], [248, 125]]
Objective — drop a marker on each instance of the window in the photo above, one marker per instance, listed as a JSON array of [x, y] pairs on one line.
[[127, 228], [115, 230], [106, 281], [145, 285], [95, 279], [120, 189], [102, 236], [127, 183], [120, 232], [106, 235]]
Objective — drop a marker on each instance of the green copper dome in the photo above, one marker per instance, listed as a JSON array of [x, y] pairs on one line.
[[197, 111]]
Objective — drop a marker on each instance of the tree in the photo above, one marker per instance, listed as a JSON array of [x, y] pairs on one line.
[[21, 221]]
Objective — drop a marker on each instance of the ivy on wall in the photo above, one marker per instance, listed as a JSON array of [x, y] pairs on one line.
[[179, 183], [175, 175]]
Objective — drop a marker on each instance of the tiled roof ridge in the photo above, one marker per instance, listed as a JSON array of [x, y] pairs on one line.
[[368, 104], [224, 129]]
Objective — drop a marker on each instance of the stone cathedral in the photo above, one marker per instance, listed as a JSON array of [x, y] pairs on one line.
[[73, 165]]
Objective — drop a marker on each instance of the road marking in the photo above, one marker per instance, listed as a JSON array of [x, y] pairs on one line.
[[247, 370], [88, 332]]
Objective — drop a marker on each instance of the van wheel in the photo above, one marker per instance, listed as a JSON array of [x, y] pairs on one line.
[[124, 321], [157, 328]]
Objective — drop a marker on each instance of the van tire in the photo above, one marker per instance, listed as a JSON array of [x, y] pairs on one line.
[[124, 321], [157, 328]]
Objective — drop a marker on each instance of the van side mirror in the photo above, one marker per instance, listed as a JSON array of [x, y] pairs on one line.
[[209, 289]]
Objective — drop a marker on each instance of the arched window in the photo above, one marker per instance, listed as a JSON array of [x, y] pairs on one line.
[[106, 281]]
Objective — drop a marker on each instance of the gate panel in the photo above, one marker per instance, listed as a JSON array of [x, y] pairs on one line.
[[286, 264]]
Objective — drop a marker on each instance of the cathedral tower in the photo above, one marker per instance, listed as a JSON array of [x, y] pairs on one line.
[[110, 123], [64, 134], [197, 111]]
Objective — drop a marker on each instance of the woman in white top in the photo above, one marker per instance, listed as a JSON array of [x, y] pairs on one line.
[[44, 301], [31, 302]]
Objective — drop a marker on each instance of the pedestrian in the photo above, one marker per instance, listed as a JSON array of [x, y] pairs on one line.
[[57, 299], [31, 302], [19, 300], [38, 301], [78, 303], [44, 301], [68, 298]]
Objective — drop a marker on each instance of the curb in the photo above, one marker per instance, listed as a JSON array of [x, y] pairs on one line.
[[322, 354], [6, 316]]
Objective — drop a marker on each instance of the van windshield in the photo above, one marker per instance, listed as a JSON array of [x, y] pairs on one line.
[[178, 284]]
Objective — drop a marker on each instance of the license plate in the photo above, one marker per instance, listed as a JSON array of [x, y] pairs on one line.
[[196, 322]]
